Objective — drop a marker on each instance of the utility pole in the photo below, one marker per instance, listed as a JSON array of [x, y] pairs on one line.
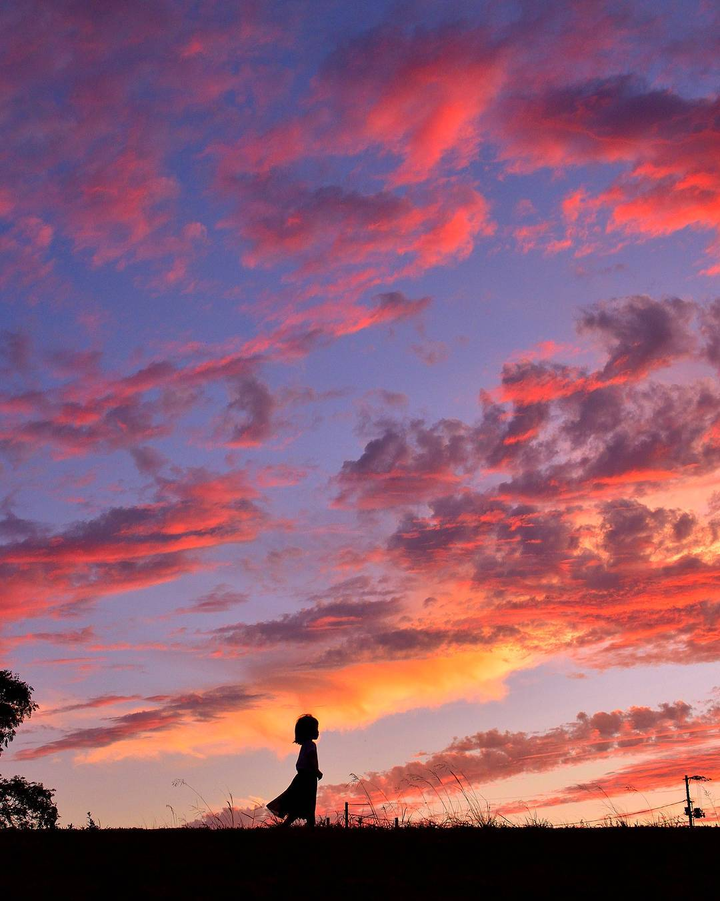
[[347, 815], [688, 809], [693, 813]]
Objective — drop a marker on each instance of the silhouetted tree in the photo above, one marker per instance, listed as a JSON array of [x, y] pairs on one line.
[[26, 805], [23, 804], [15, 704]]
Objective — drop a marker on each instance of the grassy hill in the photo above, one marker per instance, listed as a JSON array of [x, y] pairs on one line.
[[636, 862]]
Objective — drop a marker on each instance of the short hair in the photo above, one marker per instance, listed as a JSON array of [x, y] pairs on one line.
[[306, 727]]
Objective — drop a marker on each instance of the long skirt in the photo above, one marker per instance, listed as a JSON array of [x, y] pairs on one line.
[[298, 799]]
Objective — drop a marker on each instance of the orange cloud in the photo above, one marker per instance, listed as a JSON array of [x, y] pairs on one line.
[[225, 719]]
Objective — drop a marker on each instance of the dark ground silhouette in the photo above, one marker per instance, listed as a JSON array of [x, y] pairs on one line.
[[361, 863]]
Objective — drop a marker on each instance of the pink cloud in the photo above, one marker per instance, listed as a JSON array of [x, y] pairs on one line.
[[220, 599], [619, 580], [566, 431], [491, 755], [404, 465], [415, 105], [366, 96], [129, 547], [330, 232], [169, 712], [248, 415], [666, 143], [97, 411], [94, 104], [92, 704]]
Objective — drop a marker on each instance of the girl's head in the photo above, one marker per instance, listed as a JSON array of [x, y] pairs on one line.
[[307, 727]]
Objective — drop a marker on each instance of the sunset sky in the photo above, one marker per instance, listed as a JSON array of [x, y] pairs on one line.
[[361, 359]]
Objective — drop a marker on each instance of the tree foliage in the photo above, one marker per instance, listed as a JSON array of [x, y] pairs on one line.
[[23, 804], [26, 805], [15, 704]]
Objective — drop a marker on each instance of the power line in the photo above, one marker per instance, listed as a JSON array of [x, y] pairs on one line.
[[635, 813], [689, 810], [622, 815]]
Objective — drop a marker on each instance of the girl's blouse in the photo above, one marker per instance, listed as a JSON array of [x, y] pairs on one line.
[[307, 758]]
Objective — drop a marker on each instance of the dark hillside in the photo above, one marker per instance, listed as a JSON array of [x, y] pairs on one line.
[[360, 863]]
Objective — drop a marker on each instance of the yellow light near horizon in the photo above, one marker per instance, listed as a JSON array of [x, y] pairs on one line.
[[348, 698]]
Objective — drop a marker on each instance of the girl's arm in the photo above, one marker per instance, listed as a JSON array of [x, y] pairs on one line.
[[317, 768]]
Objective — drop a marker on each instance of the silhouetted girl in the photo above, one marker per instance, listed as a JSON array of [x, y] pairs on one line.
[[297, 802]]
